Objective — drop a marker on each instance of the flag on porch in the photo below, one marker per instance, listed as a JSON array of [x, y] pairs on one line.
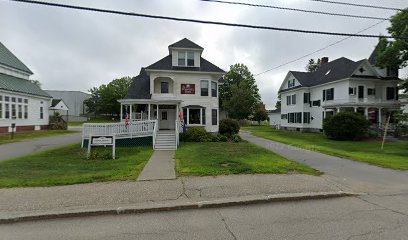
[[126, 120]]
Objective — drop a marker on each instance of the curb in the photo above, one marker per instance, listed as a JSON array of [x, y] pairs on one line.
[[178, 205]]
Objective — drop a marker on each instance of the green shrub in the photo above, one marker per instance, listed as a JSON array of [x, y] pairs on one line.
[[197, 134], [346, 126], [183, 137], [222, 138], [229, 127], [236, 138], [213, 138]]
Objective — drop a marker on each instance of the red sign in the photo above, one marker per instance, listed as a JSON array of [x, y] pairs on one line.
[[187, 88]]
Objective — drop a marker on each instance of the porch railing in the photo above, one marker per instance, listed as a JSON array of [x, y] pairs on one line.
[[177, 131], [155, 128], [120, 130]]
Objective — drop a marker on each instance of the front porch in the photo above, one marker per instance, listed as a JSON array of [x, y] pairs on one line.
[[377, 115]]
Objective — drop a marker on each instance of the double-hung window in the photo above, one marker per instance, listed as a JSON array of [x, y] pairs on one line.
[[41, 112], [20, 112], [7, 111], [370, 91], [328, 94], [390, 93], [1, 106], [306, 117], [294, 99], [213, 89], [204, 87], [306, 97], [13, 111], [214, 117], [185, 59]]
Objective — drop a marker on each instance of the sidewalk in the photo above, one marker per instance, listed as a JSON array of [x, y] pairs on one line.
[[181, 193], [161, 166], [30, 146]]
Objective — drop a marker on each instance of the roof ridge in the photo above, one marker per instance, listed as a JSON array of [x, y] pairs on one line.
[[7, 58]]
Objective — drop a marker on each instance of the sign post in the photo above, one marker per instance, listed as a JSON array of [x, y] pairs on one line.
[[13, 126], [108, 140]]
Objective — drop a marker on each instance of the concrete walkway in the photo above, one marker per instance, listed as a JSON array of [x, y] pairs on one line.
[[30, 146], [350, 175], [161, 166]]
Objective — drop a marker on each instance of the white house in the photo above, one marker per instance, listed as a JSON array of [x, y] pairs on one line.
[[337, 86], [58, 106], [182, 85], [22, 102], [274, 118]]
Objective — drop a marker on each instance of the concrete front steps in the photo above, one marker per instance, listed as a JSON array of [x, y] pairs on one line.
[[165, 140]]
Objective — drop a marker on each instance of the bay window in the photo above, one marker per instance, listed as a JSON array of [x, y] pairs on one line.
[[204, 87], [213, 89]]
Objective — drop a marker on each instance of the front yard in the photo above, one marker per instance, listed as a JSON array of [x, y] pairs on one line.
[[19, 136], [394, 155], [219, 158], [68, 165]]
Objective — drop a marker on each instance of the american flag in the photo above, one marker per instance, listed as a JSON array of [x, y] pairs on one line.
[[126, 120]]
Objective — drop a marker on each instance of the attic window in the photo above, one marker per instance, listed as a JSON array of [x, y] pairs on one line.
[[361, 70], [328, 72], [186, 58]]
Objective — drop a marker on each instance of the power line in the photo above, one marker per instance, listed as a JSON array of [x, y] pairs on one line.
[[359, 5], [294, 9], [203, 21], [318, 50]]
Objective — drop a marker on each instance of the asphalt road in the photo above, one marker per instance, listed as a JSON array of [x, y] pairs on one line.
[[342, 218]]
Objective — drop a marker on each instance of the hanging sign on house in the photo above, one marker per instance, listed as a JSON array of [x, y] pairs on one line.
[[187, 88]]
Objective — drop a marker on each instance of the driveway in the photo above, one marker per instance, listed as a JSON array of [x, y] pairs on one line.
[[30, 146], [350, 175]]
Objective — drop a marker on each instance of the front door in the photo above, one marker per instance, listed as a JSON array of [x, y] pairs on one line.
[[167, 118]]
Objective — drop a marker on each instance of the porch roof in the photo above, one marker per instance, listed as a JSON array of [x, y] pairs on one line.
[[151, 101]]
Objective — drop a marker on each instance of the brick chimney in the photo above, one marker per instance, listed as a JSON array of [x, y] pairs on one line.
[[324, 60]]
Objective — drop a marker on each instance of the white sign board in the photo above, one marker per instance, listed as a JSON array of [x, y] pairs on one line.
[[102, 141]]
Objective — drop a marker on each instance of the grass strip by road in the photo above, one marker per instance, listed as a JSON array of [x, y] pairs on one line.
[[394, 155], [222, 158], [19, 136], [68, 165]]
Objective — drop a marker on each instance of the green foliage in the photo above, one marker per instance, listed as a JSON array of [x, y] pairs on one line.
[[346, 126], [236, 138], [222, 138], [99, 154], [229, 127], [278, 102], [260, 114], [104, 99], [239, 95], [395, 53], [197, 134], [313, 65]]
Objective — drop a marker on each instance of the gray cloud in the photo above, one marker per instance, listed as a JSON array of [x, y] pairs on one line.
[[77, 50]]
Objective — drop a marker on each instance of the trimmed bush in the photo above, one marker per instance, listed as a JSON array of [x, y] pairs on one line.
[[236, 138], [222, 138], [346, 126], [197, 134], [229, 127]]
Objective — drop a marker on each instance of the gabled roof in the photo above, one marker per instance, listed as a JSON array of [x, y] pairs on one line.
[[8, 59], [140, 87], [20, 85], [166, 64], [185, 43], [338, 69], [55, 102]]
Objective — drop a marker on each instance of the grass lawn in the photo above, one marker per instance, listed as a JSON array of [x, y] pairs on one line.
[[394, 155], [68, 165], [6, 138], [221, 158]]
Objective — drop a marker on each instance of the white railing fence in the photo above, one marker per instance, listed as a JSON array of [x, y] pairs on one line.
[[119, 130], [177, 131], [155, 128]]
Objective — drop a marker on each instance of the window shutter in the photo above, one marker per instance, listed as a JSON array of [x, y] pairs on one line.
[[324, 95]]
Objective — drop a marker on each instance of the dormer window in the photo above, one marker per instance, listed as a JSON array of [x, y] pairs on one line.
[[186, 58]]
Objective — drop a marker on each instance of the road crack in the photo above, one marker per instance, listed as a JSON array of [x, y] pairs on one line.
[[226, 226]]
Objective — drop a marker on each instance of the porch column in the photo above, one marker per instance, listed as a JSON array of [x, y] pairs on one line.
[[130, 112], [366, 112], [355, 109], [379, 116], [121, 112], [157, 114], [338, 109], [148, 116]]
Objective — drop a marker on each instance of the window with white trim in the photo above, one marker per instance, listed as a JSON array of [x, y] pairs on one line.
[[13, 111], [204, 87], [41, 112], [1, 106], [185, 59], [7, 111], [213, 89], [214, 117]]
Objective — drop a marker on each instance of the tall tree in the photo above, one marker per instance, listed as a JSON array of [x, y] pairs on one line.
[[395, 53], [239, 94], [278, 102], [104, 99], [313, 65], [260, 114]]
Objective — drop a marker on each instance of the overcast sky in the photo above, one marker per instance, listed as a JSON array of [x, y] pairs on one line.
[[76, 50]]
